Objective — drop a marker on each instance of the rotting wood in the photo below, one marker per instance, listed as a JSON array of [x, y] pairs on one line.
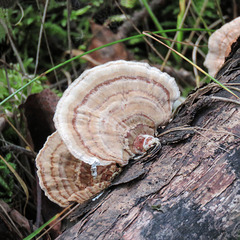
[[191, 190]]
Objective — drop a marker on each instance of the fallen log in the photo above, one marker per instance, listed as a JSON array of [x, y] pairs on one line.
[[191, 189]]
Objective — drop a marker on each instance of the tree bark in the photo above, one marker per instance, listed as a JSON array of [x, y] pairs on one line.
[[191, 189]]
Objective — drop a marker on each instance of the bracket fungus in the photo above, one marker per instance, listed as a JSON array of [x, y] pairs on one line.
[[105, 117], [104, 110], [220, 44], [66, 179]]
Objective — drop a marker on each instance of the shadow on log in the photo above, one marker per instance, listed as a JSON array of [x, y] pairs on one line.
[[191, 189]]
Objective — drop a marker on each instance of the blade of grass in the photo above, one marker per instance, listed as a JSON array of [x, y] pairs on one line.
[[175, 38], [154, 19], [93, 50], [200, 14], [59, 220], [196, 24], [182, 8], [157, 24], [185, 58], [219, 10], [36, 232]]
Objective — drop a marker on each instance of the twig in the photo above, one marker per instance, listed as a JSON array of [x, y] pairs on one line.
[[69, 36], [186, 127], [195, 129], [40, 36], [23, 167], [235, 9], [135, 27], [137, 17], [68, 76], [12, 147], [22, 12], [59, 83], [50, 56], [233, 88], [39, 204], [186, 59], [7, 78], [19, 134], [48, 48], [7, 30], [195, 25], [60, 219], [13, 224], [225, 99], [196, 49]]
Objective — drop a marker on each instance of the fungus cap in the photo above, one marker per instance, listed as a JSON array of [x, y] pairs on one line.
[[64, 178], [219, 45], [104, 110]]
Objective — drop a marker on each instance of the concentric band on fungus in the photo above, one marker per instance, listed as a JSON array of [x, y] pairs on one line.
[[107, 115], [66, 179], [107, 103]]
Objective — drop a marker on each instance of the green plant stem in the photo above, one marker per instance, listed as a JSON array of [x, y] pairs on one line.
[[200, 14], [158, 25], [154, 19], [180, 19], [219, 10], [176, 38], [58, 215], [32, 235], [90, 51]]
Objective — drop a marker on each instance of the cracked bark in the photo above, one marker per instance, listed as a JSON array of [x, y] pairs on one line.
[[190, 190]]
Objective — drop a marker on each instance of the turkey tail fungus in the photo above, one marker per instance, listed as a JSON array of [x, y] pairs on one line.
[[107, 116], [66, 179], [220, 45]]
